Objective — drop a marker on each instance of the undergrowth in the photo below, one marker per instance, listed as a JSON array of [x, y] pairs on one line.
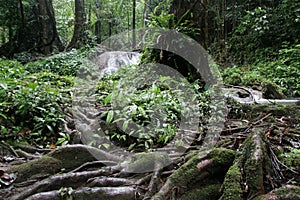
[[284, 71]]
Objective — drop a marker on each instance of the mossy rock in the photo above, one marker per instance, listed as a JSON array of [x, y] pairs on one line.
[[64, 158], [73, 156], [272, 91]]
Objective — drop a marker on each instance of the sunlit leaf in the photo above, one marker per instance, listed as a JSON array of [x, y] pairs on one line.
[[110, 116]]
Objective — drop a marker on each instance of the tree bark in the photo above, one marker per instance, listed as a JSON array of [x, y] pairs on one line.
[[98, 22], [145, 13], [133, 24], [48, 31], [36, 31], [79, 37]]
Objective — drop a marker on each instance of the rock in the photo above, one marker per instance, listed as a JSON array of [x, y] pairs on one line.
[[272, 91]]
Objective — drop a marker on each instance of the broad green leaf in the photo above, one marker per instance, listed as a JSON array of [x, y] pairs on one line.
[[4, 116], [125, 125], [131, 146], [105, 145], [107, 99], [50, 128], [110, 116]]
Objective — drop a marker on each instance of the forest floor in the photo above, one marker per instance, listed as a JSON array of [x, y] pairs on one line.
[[256, 157]]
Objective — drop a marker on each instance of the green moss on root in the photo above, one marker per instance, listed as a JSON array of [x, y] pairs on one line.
[[208, 192], [43, 166], [232, 184]]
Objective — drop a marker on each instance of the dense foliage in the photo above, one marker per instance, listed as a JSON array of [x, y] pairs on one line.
[[283, 71], [264, 30], [34, 98], [256, 42], [149, 114]]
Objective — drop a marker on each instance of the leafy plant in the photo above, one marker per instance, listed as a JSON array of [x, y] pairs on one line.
[[67, 63], [162, 18], [32, 105], [263, 30], [291, 158], [11, 69], [148, 115], [283, 71]]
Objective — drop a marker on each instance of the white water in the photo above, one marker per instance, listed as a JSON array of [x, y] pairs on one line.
[[111, 61]]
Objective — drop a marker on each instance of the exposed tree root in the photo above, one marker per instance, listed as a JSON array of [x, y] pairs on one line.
[[55, 182], [252, 172], [202, 168], [109, 182], [250, 168], [67, 158], [111, 193]]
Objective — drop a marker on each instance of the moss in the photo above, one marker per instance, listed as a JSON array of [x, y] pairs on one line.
[[291, 192], [255, 162], [36, 168], [222, 156], [232, 184], [145, 162], [208, 192], [72, 156], [188, 174], [286, 192], [272, 91]]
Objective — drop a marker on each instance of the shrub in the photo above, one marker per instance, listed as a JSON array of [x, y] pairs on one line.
[[67, 63], [284, 72], [148, 115]]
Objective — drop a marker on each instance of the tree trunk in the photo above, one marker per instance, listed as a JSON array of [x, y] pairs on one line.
[[98, 22], [133, 24], [36, 31], [79, 37], [48, 33]]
